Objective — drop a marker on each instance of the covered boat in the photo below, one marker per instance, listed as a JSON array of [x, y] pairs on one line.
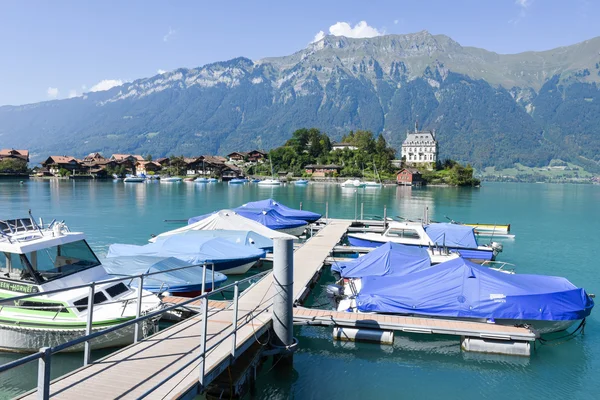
[[390, 259], [245, 238], [451, 237], [228, 257], [270, 218], [228, 220], [282, 209], [464, 290], [175, 277]]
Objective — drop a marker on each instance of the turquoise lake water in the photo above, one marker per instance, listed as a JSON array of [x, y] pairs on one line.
[[557, 234]]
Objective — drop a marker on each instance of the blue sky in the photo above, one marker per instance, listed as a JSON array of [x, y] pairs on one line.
[[63, 48]]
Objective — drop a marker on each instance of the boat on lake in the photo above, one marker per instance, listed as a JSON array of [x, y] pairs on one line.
[[269, 182], [212, 180], [177, 277], [270, 218], [255, 180], [301, 182], [170, 179], [352, 183], [134, 179], [36, 259], [455, 238], [227, 257], [245, 238], [201, 180], [237, 181], [459, 289], [282, 209]]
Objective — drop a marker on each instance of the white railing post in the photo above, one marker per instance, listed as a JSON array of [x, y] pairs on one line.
[[204, 325], [362, 211], [43, 382], [326, 211], [236, 294], [138, 310], [203, 279], [88, 326], [212, 278], [301, 205]]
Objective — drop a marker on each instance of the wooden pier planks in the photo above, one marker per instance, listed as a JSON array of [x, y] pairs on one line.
[[131, 371]]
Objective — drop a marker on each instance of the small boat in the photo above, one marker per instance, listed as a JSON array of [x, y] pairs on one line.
[[372, 184], [284, 210], [228, 257], [134, 179], [352, 183], [201, 180], [301, 182], [43, 258], [116, 177], [270, 218], [188, 179], [236, 181], [170, 179], [455, 238], [269, 182], [459, 289], [175, 279], [246, 238], [212, 180], [255, 180]]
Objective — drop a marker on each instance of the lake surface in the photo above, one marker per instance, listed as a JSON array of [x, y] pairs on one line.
[[557, 234]]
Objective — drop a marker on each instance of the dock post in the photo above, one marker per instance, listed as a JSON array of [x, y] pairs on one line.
[[283, 302], [384, 217], [89, 323], [43, 381], [301, 205], [362, 211]]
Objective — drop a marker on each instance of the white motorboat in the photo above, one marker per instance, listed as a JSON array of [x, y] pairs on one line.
[[451, 237], [352, 183], [170, 179], [269, 182], [134, 179], [36, 259]]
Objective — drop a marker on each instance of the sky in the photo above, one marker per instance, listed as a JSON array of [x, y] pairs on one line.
[[60, 49]]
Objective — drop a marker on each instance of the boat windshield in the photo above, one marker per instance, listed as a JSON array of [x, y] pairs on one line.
[[48, 264]]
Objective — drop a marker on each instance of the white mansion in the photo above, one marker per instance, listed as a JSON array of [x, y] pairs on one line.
[[420, 147]]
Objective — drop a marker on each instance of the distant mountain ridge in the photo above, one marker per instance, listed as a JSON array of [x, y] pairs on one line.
[[488, 109]]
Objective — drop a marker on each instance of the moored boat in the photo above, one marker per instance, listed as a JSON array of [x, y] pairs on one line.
[[237, 181], [37, 259], [269, 182], [170, 179], [282, 209], [352, 183], [134, 179], [201, 180], [301, 182], [270, 218]]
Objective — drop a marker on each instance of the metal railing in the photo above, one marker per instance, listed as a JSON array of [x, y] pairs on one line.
[[44, 355]]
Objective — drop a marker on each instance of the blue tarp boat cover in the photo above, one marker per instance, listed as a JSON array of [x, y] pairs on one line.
[[194, 250], [244, 238], [180, 280], [452, 235], [286, 211], [389, 259], [270, 218], [459, 288]]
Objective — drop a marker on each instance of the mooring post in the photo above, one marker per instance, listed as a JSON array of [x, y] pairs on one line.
[[362, 211], [283, 302], [301, 205], [43, 382], [384, 217]]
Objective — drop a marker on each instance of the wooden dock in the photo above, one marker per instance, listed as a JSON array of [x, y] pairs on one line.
[[134, 370]]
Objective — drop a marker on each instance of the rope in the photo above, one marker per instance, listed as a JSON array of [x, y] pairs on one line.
[[565, 338]]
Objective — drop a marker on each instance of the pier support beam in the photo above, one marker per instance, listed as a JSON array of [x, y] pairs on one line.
[[283, 302]]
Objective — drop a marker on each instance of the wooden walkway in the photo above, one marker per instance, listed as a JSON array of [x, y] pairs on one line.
[[133, 370], [413, 324]]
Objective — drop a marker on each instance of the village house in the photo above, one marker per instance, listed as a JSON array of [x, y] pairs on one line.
[[420, 148], [343, 146], [147, 167], [55, 163], [93, 158], [322, 170], [409, 177], [14, 154], [257, 156], [237, 156]]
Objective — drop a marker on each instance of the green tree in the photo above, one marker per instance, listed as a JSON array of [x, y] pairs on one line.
[[11, 165]]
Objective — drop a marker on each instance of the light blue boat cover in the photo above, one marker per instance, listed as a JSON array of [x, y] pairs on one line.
[[389, 259], [189, 248], [178, 281], [285, 211], [245, 238], [459, 288], [269, 217], [452, 235]]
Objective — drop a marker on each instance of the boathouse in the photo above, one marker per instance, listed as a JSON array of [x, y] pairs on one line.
[[322, 170], [409, 177]]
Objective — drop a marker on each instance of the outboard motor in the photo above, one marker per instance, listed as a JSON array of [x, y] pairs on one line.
[[335, 293], [497, 247]]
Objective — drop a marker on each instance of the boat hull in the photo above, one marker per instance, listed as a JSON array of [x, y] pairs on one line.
[[21, 339], [477, 255], [234, 267], [296, 231]]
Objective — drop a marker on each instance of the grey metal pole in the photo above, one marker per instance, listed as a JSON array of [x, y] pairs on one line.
[[384, 217], [355, 204], [362, 211], [236, 294], [203, 278], [43, 381], [301, 205], [88, 326], [138, 310], [283, 302], [204, 325], [326, 211]]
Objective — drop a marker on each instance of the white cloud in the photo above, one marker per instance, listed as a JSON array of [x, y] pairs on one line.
[[72, 93], [396, 22], [161, 71], [52, 92], [360, 30], [169, 34], [523, 3], [106, 84]]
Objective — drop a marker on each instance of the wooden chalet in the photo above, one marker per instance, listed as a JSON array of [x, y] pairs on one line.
[[409, 177], [14, 154]]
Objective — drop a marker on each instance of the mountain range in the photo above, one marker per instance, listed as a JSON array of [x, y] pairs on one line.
[[488, 109]]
